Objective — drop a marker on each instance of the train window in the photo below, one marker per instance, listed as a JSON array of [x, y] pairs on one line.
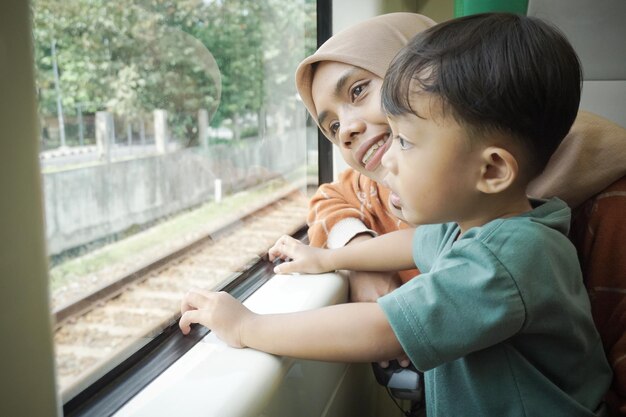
[[174, 151]]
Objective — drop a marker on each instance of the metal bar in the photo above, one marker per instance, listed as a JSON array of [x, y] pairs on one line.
[[324, 146]]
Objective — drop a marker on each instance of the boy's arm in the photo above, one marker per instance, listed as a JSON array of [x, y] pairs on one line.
[[355, 332], [352, 209], [390, 252], [368, 286]]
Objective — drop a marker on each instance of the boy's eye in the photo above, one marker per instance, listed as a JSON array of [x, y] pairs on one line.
[[404, 144]]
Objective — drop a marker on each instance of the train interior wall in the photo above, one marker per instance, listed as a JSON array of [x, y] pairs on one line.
[[27, 378]]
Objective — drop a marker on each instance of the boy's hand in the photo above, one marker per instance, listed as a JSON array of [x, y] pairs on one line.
[[218, 311], [403, 361], [299, 257]]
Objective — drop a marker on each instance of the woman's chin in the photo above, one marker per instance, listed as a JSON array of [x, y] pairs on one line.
[[377, 174]]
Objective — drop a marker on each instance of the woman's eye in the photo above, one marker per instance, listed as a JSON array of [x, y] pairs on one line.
[[357, 90], [334, 127]]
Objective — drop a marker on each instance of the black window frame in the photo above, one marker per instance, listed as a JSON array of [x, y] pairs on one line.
[[114, 389]]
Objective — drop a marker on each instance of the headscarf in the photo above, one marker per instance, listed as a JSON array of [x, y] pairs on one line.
[[591, 157], [370, 45]]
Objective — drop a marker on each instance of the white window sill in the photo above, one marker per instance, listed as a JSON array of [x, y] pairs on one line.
[[213, 379]]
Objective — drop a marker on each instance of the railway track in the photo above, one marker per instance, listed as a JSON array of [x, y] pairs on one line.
[[99, 331]]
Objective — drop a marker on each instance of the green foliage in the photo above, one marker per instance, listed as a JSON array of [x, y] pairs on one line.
[[231, 57]]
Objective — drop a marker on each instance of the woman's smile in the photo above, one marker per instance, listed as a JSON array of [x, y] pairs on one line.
[[371, 151]]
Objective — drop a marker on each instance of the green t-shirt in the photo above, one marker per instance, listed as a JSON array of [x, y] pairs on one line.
[[499, 319]]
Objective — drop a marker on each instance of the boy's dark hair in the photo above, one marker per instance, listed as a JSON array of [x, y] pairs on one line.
[[495, 72]]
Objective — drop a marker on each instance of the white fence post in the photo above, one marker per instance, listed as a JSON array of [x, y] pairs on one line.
[[160, 131], [218, 190], [105, 134]]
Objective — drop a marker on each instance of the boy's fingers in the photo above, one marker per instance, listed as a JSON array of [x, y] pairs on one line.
[[277, 251], [187, 319], [185, 304], [286, 248], [272, 254], [282, 268], [287, 268], [194, 299]]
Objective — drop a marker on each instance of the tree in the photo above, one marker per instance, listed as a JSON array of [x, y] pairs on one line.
[[232, 57]]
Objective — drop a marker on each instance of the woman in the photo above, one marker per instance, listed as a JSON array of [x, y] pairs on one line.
[[356, 207], [339, 85]]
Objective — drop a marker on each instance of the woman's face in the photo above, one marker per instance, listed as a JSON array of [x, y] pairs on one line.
[[347, 100]]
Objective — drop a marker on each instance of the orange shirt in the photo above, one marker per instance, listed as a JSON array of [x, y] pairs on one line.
[[352, 205]]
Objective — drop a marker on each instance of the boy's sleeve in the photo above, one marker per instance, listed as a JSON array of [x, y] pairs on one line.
[[341, 210], [439, 317]]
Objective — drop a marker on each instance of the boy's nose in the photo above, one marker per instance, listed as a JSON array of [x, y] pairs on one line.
[[388, 157], [350, 131]]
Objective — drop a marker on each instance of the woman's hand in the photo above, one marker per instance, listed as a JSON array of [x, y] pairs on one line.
[[299, 257], [219, 311]]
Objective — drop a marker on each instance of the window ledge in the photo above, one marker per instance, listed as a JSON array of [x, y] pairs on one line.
[[213, 379]]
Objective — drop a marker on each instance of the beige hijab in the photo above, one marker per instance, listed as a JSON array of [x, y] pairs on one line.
[[370, 45], [591, 157]]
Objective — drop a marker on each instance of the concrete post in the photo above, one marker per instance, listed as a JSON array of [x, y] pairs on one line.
[[161, 133], [105, 134], [218, 190]]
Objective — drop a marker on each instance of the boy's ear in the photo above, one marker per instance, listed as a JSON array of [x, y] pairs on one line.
[[498, 171]]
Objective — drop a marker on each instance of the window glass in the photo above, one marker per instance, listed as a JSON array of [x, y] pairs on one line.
[[174, 151]]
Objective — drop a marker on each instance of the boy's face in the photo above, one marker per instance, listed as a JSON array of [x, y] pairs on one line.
[[432, 166], [347, 100]]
